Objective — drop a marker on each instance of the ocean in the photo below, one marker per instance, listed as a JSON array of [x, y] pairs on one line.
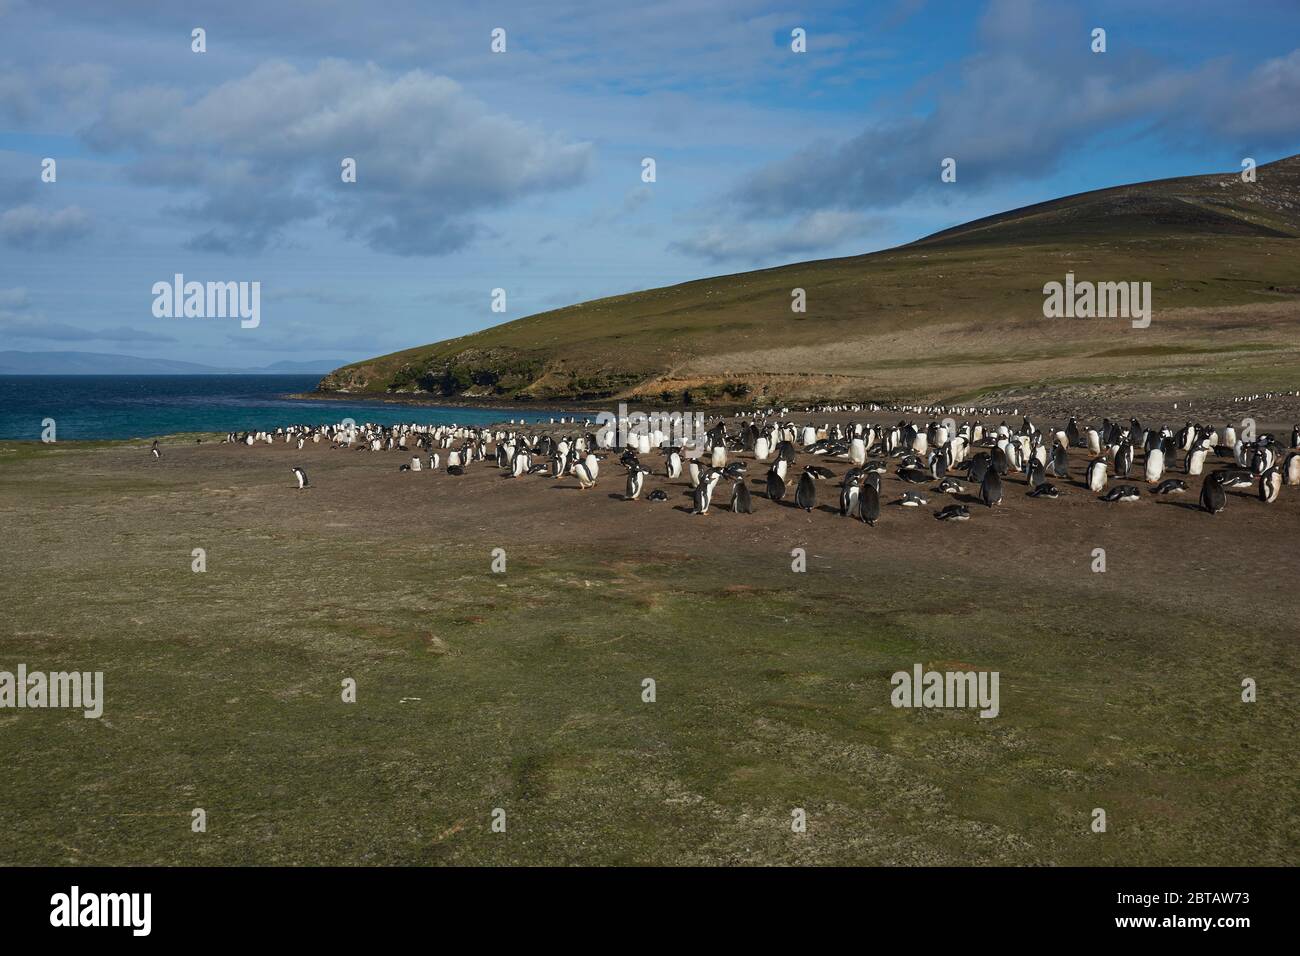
[[145, 406]]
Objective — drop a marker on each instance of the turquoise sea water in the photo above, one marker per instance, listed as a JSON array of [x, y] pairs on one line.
[[144, 406]]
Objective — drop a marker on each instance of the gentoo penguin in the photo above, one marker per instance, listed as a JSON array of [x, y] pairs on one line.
[[657, 495], [1213, 498], [1060, 462], [703, 495], [805, 493], [849, 495], [301, 476], [1291, 469], [1122, 493], [869, 504], [912, 499], [1170, 486], [1124, 460], [674, 466], [1270, 485], [635, 479], [914, 476], [741, 503], [1196, 460], [1036, 475], [519, 465], [953, 513], [154, 451], [718, 457], [1096, 475], [1234, 480], [949, 486], [775, 485], [991, 488], [456, 470], [585, 478], [1045, 491], [693, 472], [1155, 465]]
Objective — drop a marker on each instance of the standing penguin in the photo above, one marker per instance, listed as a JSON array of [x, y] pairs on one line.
[[635, 479], [674, 463], [1291, 468], [805, 494], [1155, 465], [1123, 460], [693, 472], [849, 495], [703, 494], [1036, 474], [583, 473], [154, 451], [1060, 462], [301, 476], [741, 503], [1213, 498], [1270, 485], [991, 488], [1097, 475], [775, 486], [869, 504]]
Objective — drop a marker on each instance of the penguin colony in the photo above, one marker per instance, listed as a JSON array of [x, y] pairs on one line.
[[966, 461]]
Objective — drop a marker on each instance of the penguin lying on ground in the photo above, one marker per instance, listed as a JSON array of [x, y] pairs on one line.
[[1045, 491], [1122, 493], [1170, 486], [953, 513]]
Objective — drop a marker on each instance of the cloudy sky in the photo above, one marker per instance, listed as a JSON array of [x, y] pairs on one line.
[[522, 170]]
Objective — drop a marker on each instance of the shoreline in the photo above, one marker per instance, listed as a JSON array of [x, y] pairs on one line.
[[419, 401]]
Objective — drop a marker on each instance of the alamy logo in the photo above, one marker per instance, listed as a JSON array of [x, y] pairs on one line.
[[79, 690], [1098, 300], [946, 689], [103, 909], [628, 427], [210, 300]]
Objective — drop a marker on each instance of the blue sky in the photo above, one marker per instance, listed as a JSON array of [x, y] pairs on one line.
[[522, 170]]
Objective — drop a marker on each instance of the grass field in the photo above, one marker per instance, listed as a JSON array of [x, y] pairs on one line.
[[522, 690]]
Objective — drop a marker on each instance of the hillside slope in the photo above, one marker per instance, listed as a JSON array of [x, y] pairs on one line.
[[951, 314]]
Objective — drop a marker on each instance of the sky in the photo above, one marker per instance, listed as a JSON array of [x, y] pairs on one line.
[[523, 170]]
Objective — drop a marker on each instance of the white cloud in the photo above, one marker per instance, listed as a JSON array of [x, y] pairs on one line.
[[814, 232], [33, 228], [264, 151]]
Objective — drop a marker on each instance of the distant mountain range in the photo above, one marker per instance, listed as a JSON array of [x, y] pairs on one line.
[[97, 363]]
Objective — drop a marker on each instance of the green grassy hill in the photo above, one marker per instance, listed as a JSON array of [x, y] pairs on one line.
[[953, 314]]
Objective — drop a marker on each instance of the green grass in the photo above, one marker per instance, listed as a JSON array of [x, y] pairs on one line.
[[223, 692]]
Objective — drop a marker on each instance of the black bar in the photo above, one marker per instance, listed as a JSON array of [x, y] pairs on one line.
[[332, 906]]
